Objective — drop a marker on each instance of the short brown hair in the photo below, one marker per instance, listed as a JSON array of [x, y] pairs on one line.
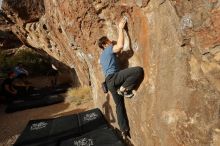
[[102, 41]]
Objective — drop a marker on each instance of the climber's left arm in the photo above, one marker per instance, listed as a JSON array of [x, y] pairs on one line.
[[120, 43]]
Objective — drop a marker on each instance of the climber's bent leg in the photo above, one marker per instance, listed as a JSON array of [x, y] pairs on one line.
[[128, 78]]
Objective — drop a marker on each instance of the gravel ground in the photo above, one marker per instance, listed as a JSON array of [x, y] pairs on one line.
[[11, 125]]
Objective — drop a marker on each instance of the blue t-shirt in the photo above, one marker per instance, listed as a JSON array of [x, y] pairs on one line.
[[18, 71], [108, 61]]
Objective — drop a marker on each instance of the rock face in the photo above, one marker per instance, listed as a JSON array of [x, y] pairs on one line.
[[175, 41], [7, 38]]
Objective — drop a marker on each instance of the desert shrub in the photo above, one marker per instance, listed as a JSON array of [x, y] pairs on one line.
[[79, 95]]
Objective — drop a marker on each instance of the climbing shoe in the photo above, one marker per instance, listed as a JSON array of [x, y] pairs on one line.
[[120, 92], [125, 134], [127, 94]]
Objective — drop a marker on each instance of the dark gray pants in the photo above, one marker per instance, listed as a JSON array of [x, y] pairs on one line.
[[128, 78]]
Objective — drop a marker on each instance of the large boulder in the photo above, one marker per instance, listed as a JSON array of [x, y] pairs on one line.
[[175, 41]]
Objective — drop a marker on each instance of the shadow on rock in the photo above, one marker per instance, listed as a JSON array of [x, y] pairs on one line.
[[108, 112]]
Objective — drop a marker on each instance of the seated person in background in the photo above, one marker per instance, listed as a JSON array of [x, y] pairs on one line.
[[20, 71], [8, 89]]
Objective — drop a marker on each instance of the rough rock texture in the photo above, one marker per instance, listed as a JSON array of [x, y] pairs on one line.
[[175, 41], [7, 38]]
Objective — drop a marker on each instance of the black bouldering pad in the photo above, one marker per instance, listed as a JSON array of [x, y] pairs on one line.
[[27, 104], [49, 131], [44, 144], [50, 91], [65, 129], [35, 132], [91, 120], [100, 137]]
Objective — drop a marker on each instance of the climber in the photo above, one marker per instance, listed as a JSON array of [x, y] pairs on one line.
[[119, 82]]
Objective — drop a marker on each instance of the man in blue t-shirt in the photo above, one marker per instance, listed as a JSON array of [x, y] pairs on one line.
[[119, 82]]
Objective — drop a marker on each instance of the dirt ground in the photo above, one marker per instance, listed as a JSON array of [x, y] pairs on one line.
[[11, 125]]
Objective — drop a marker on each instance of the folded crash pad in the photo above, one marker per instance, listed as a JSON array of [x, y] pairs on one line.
[[57, 130], [50, 91], [27, 104], [64, 127], [35, 132], [100, 137], [49, 131], [44, 144], [91, 120]]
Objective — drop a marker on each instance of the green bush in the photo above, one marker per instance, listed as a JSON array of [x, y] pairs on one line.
[[35, 63]]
